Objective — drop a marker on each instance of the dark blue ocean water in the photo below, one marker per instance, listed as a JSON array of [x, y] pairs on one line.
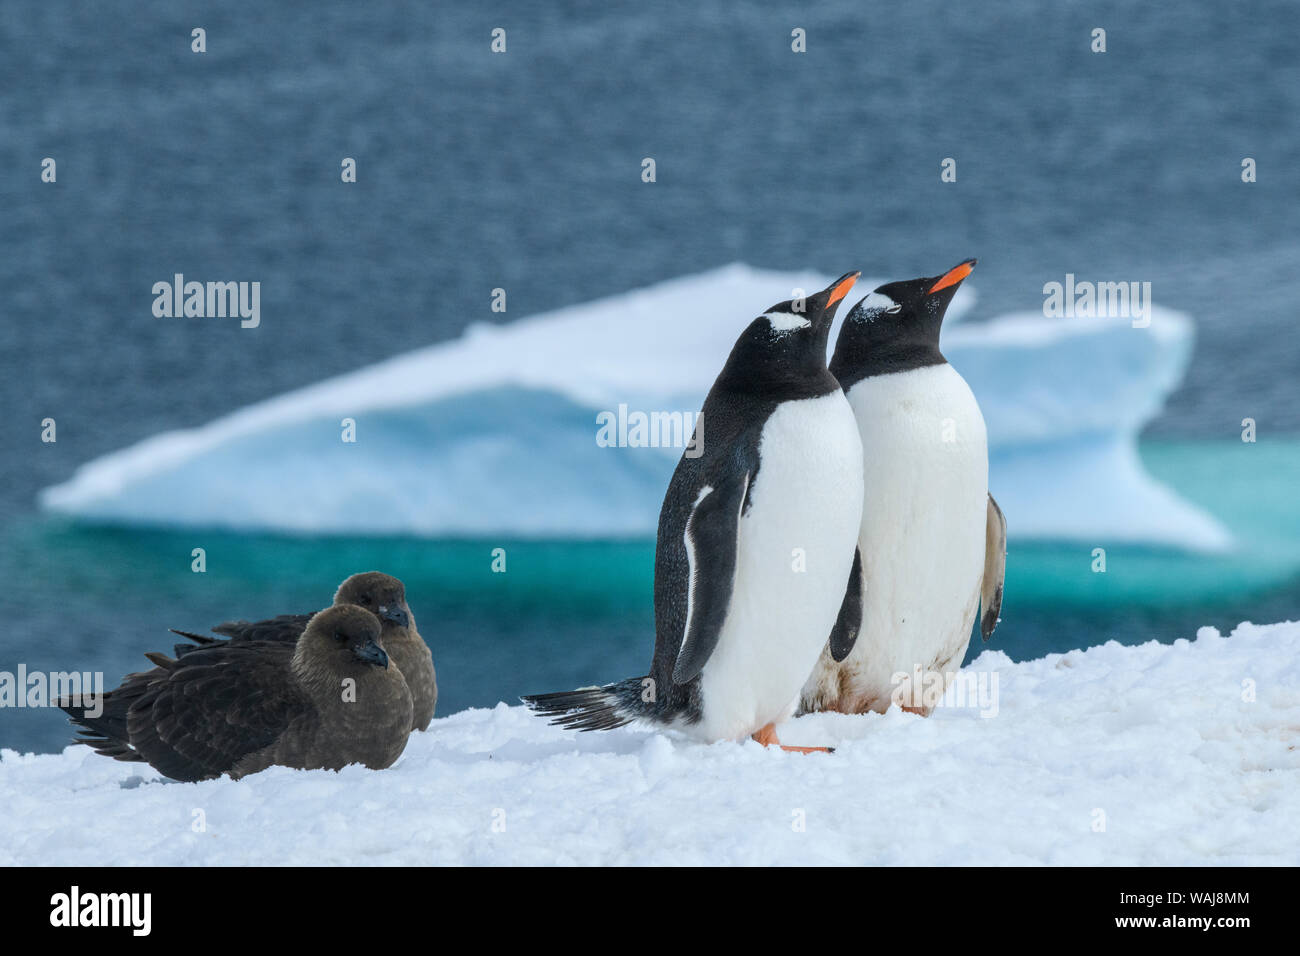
[[522, 170]]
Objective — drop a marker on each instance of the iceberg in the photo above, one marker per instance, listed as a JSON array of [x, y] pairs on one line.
[[496, 432]]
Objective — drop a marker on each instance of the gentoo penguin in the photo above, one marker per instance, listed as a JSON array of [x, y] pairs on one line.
[[932, 545], [325, 701], [755, 543], [381, 594]]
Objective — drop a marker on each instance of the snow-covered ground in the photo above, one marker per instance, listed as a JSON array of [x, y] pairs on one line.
[[1158, 754]]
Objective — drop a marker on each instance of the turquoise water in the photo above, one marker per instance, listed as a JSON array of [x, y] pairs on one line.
[[225, 166], [568, 613], [1254, 489]]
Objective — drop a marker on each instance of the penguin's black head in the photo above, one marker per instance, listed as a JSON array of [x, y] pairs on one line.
[[783, 351], [896, 328]]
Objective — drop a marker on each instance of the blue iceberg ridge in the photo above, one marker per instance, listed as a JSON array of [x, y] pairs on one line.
[[496, 432]]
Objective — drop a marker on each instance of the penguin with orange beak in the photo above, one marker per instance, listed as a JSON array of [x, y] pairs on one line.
[[755, 544], [932, 541]]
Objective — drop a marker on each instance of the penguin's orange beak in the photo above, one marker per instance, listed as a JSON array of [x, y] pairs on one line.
[[841, 289], [953, 276]]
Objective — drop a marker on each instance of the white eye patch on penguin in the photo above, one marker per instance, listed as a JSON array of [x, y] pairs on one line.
[[874, 303], [786, 321]]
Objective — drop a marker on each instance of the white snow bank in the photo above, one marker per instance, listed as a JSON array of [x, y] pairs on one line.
[[1186, 753], [495, 432]]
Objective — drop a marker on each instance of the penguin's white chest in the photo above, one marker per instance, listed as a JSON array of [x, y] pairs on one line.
[[794, 549], [925, 487]]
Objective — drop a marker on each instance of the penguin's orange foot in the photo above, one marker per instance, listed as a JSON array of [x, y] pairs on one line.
[[767, 737]]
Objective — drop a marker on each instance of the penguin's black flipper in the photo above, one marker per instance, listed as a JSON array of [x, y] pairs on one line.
[[845, 632], [710, 536], [995, 568]]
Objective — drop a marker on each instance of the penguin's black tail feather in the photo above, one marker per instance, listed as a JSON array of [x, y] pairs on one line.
[[593, 708]]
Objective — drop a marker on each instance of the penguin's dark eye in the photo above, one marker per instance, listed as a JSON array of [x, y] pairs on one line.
[[894, 308]]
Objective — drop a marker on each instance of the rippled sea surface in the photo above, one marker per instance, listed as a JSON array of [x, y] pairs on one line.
[[523, 171]]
